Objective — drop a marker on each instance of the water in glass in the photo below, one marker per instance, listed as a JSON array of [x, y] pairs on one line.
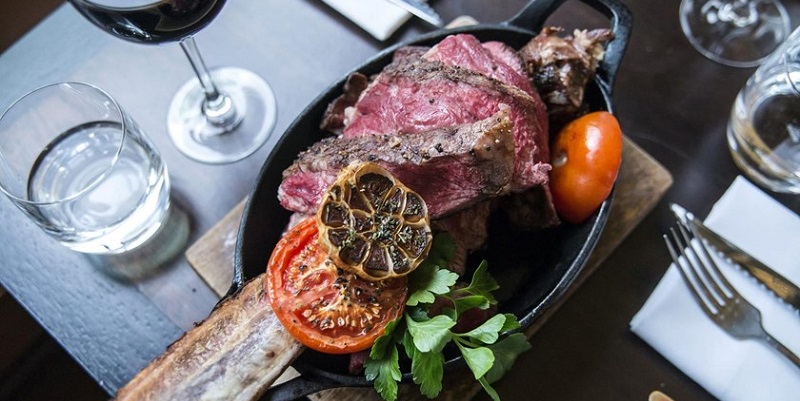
[[119, 194]]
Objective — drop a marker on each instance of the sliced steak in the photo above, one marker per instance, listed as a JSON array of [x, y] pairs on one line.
[[505, 54], [466, 51], [339, 111], [451, 168], [407, 56], [334, 118], [407, 99]]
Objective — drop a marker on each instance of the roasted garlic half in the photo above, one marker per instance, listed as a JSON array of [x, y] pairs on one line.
[[373, 225]]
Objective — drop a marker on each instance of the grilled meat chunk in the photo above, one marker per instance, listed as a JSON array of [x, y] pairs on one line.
[[560, 67]]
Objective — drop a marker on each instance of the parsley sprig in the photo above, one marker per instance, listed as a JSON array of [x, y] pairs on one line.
[[423, 337]]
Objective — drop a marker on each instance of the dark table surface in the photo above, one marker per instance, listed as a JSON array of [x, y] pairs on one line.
[[670, 100]]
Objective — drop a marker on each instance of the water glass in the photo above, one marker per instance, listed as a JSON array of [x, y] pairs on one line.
[[764, 127], [75, 163]]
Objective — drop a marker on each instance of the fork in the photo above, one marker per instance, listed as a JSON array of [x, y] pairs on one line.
[[716, 296]]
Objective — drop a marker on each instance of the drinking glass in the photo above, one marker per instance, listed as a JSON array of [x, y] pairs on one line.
[[78, 166], [738, 33], [764, 127], [223, 115]]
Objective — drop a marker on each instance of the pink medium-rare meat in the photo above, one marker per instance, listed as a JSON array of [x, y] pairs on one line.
[[428, 95], [466, 51], [505, 54], [340, 111], [451, 168], [334, 117]]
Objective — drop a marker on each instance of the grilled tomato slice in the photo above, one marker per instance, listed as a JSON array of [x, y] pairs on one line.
[[326, 308], [586, 157], [373, 225]]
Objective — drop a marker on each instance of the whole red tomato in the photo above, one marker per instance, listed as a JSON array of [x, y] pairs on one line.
[[320, 305], [585, 156]]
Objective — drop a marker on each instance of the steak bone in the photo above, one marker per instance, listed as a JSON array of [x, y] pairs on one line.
[[235, 354]]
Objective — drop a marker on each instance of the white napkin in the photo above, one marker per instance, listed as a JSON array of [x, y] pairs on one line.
[[672, 322], [379, 18]]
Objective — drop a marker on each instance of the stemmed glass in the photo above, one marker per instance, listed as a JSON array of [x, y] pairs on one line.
[[738, 33], [222, 116]]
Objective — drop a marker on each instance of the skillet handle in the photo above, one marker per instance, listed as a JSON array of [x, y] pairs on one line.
[[534, 15]]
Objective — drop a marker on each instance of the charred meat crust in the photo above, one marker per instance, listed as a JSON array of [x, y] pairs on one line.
[[561, 67]]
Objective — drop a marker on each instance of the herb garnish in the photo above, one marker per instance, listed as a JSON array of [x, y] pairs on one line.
[[424, 337]]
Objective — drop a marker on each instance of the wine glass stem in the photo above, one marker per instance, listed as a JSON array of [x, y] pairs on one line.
[[218, 106]]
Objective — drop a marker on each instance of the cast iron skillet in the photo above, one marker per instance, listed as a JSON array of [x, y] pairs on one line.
[[534, 269]]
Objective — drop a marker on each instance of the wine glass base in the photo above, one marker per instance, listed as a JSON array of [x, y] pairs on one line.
[[198, 138], [726, 33]]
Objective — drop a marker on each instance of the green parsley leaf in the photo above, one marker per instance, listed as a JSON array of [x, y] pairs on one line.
[[482, 283], [489, 389], [463, 304], [488, 332], [511, 323], [384, 342], [427, 281], [478, 359], [505, 353], [408, 344], [385, 373], [427, 369], [423, 337], [417, 313], [430, 335]]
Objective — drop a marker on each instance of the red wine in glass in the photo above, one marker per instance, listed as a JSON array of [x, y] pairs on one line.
[[222, 116]]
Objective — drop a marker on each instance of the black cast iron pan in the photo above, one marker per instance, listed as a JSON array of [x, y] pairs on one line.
[[534, 269]]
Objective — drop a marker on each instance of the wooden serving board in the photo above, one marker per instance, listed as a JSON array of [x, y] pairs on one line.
[[641, 183]]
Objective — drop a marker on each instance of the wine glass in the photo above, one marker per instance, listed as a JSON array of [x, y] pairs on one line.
[[738, 33], [225, 114]]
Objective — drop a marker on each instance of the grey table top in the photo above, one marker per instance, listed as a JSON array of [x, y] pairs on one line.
[[670, 100]]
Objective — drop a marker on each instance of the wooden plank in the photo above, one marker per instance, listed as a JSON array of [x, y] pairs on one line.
[[212, 254], [641, 184]]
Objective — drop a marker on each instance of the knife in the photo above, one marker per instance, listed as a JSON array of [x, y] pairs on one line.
[[779, 285], [421, 9]]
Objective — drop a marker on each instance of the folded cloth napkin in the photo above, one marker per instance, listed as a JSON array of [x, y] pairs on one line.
[[379, 18], [672, 322]]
